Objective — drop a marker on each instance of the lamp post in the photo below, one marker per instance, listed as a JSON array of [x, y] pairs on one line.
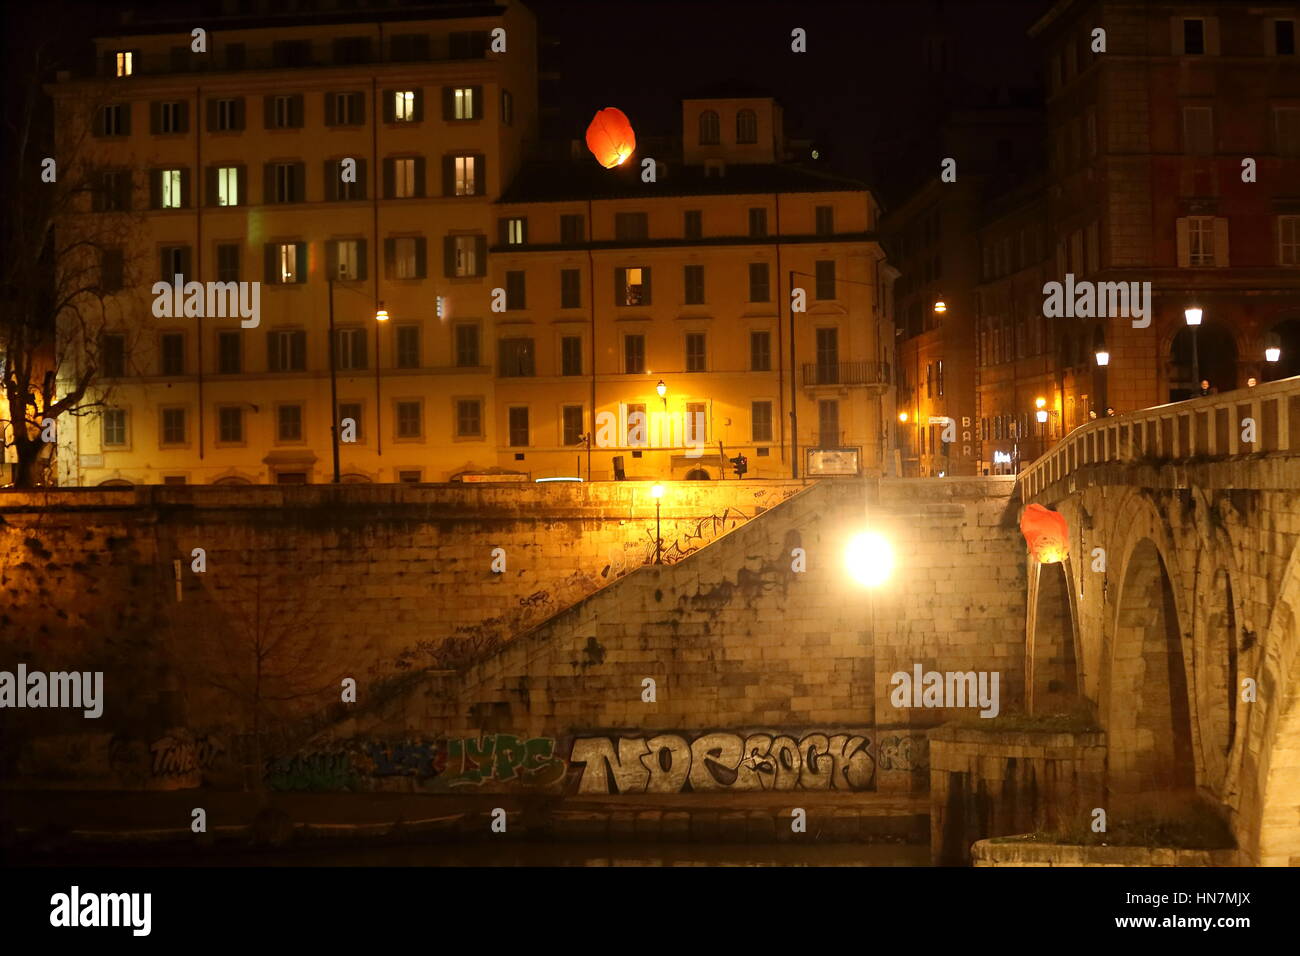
[[662, 389], [657, 492], [1193, 316], [381, 315], [334, 387]]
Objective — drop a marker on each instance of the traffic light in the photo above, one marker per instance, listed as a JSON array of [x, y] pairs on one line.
[[739, 465]]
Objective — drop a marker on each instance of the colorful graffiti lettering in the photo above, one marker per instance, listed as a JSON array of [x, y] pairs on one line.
[[902, 752], [179, 754], [321, 771], [472, 761], [667, 763]]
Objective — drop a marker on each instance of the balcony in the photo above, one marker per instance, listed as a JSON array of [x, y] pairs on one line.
[[840, 374]]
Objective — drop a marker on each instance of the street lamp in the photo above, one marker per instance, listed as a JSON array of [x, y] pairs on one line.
[[869, 559], [940, 306], [902, 417], [1193, 316], [1272, 347], [657, 492], [662, 389]]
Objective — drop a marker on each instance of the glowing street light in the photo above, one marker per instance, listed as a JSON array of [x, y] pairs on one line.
[[1272, 348], [869, 559], [940, 306], [1103, 358], [902, 417], [381, 314], [657, 492], [1193, 316]]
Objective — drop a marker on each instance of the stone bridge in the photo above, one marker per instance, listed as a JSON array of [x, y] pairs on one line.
[[1177, 614]]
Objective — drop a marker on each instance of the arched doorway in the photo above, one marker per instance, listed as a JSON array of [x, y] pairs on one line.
[[1055, 673], [1148, 726], [1286, 336], [1215, 361], [697, 474]]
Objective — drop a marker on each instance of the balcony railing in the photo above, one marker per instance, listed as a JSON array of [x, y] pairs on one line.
[[845, 373]]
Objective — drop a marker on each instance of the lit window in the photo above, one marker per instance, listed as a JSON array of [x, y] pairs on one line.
[[287, 261], [404, 106], [227, 186], [404, 258], [171, 188], [348, 252], [466, 255], [463, 103], [466, 168], [514, 232], [125, 63], [403, 178]]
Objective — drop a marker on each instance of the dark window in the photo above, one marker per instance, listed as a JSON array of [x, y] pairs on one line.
[[571, 355], [408, 346], [114, 192], [114, 426], [760, 351], [288, 423], [693, 228], [409, 419], [571, 230], [172, 353], [469, 418], [169, 117], [828, 356], [825, 220], [291, 53], [230, 353], [516, 358], [760, 415], [760, 289], [350, 349], [112, 265], [467, 351], [758, 222], [746, 127], [351, 410], [697, 421], [230, 424], [516, 297], [226, 115], [694, 279], [1193, 36], [175, 261], [570, 288], [112, 355], [695, 351], [350, 50], [710, 128], [828, 423], [518, 421], [285, 182], [283, 111], [345, 109], [409, 46], [236, 55], [634, 354], [173, 426], [469, 44], [114, 120], [227, 262], [825, 279], [411, 477], [631, 226], [573, 431], [286, 351], [1284, 37]]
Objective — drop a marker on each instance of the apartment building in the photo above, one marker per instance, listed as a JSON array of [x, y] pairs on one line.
[[348, 164]]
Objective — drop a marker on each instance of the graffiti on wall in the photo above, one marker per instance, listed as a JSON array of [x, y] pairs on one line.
[[903, 752], [180, 754], [436, 764], [697, 536], [668, 763]]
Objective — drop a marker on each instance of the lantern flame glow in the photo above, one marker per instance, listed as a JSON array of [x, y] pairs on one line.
[[610, 137], [1046, 533]]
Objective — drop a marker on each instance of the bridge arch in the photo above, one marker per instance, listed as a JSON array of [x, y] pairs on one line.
[[1053, 678]]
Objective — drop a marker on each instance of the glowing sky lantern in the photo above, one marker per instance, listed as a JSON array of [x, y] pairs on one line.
[[1046, 533], [610, 137]]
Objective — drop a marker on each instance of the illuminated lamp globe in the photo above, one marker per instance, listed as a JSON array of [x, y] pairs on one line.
[[869, 559]]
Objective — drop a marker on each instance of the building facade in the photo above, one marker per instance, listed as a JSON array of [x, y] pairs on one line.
[[496, 317]]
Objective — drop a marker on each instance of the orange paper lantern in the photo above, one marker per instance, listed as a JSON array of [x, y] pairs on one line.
[[610, 137], [1047, 534]]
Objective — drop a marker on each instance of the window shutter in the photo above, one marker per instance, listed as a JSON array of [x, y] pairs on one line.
[[421, 258], [330, 118], [268, 111], [268, 183], [155, 189], [272, 351], [362, 272], [449, 256], [503, 231], [1212, 36], [389, 113], [480, 174], [480, 255], [210, 185], [298, 346], [299, 182], [182, 117], [361, 178], [419, 176], [448, 103], [164, 267], [212, 116], [241, 184], [449, 175], [126, 120], [358, 106], [124, 196], [331, 258], [478, 102], [1176, 35], [155, 118], [645, 285], [1221, 242], [1184, 244], [300, 259], [295, 111], [239, 113], [331, 180], [185, 188], [390, 177], [269, 257], [186, 263], [390, 257], [620, 285], [419, 105]]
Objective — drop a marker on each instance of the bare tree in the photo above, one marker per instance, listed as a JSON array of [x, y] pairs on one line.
[[252, 633], [70, 267]]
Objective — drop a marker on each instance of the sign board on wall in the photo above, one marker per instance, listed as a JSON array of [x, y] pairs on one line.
[[493, 478], [833, 461]]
